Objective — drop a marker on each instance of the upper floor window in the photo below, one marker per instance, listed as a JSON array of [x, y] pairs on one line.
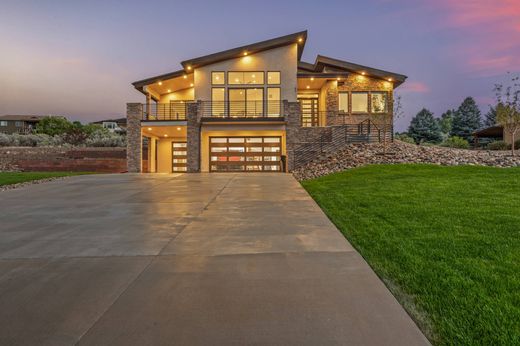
[[254, 77], [343, 102], [18, 123], [360, 102], [379, 102], [217, 78], [3, 123], [273, 77]]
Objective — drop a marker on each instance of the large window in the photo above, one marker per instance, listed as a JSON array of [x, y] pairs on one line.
[[343, 102], [379, 102], [246, 102], [273, 77], [360, 102], [239, 78], [218, 78], [273, 102], [217, 102]]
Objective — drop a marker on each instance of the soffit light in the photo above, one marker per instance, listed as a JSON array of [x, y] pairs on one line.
[[312, 78], [160, 83], [184, 76], [149, 129], [308, 87], [390, 79], [300, 39], [191, 84], [165, 135], [178, 128], [169, 90], [189, 67], [245, 53], [363, 73]]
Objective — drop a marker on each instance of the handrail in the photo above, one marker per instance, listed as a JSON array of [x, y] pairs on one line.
[[241, 109]]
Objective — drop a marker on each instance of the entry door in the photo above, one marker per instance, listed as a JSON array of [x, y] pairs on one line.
[[309, 107], [179, 157]]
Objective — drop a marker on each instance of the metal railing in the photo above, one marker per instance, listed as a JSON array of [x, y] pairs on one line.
[[175, 110], [241, 109]]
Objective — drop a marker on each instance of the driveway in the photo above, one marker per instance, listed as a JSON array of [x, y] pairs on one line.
[[192, 259]]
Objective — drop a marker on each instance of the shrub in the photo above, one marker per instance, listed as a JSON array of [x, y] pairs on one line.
[[31, 140], [498, 145], [405, 138], [104, 138], [456, 142]]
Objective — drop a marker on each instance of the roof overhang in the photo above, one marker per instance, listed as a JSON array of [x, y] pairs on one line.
[[492, 131]]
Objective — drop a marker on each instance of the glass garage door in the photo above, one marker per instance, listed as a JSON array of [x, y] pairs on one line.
[[179, 156], [245, 154]]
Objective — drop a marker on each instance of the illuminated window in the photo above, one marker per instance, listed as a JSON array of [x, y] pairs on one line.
[[252, 78], [379, 103], [359, 102], [273, 77], [274, 104], [343, 102], [217, 78], [217, 102]]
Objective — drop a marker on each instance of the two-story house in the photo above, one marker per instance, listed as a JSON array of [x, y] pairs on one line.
[[256, 108]]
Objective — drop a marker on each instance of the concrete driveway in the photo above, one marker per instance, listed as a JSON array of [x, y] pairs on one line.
[[193, 259]]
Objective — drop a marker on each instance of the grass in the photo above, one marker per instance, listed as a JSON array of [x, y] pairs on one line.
[[445, 240], [7, 178]]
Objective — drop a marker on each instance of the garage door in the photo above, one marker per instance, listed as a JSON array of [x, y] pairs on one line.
[[245, 154]]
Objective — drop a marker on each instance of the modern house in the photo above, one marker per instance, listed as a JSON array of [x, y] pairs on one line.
[[256, 108], [21, 124]]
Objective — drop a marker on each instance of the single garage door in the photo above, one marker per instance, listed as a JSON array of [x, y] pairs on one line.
[[245, 154]]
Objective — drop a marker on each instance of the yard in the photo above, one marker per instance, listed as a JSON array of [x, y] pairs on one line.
[[8, 178], [445, 240]]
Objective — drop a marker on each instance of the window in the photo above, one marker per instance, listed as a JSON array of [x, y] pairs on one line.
[[379, 104], [246, 102], [238, 78], [273, 102], [217, 102], [359, 102], [343, 102], [217, 78], [18, 123], [3, 123], [273, 77]]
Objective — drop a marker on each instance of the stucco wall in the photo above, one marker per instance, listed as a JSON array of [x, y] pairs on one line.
[[227, 130], [283, 59], [179, 95]]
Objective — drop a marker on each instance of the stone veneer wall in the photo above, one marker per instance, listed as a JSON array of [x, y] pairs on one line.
[[193, 118], [134, 112]]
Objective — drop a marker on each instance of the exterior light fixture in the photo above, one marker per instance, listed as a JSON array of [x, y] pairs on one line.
[[338, 78], [245, 53], [308, 87], [169, 90], [160, 83], [178, 128], [191, 84], [184, 76], [312, 78], [165, 135], [390, 79], [149, 129], [363, 73], [300, 40], [189, 67]]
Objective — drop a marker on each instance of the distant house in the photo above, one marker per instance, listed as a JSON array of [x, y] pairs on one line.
[[19, 123], [496, 132], [113, 125]]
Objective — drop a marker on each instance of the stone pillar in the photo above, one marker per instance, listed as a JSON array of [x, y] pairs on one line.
[[134, 112], [292, 114], [193, 117]]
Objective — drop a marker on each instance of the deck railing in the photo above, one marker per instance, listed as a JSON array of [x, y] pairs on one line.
[[241, 109], [175, 110]]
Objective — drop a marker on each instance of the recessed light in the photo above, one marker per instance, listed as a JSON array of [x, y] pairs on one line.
[[390, 79], [178, 128], [184, 76], [363, 73], [191, 84], [149, 129], [165, 135], [169, 90], [312, 78], [189, 67], [300, 39], [308, 87], [338, 78], [245, 53], [160, 83]]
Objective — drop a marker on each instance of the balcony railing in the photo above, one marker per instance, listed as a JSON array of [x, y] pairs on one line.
[[241, 109], [175, 110]]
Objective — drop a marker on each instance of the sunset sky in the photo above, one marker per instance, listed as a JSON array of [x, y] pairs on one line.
[[78, 58]]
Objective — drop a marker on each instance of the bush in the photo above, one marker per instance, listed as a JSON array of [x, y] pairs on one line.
[[104, 138], [32, 140], [456, 142], [405, 138], [498, 145]]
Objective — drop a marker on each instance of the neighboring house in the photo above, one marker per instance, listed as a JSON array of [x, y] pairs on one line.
[[22, 124], [113, 125], [496, 132], [256, 108]]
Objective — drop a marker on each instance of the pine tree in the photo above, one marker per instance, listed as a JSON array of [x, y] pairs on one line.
[[466, 119], [446, 122], [490, 119], [425, 128]]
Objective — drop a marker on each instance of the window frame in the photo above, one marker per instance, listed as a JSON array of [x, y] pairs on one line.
[[18, 123], [229, 79], [352, 102], [223, 79], [4, 123], [347, 111], [385, 93], [278, 102], [279, 78]]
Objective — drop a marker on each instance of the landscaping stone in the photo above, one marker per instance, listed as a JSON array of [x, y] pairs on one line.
[[361, 154]]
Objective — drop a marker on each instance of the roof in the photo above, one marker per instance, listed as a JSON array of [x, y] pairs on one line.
[[118, 121], [238, 52], [496, 131], [319, 67], [22, 117]]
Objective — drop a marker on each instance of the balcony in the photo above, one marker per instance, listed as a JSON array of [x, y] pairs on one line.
[[173, 111], [241, 110]]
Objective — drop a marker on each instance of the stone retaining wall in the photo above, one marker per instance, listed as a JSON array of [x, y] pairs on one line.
[[101, 160], [356, 155]]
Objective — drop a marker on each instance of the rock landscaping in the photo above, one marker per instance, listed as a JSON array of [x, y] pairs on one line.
[[361, 154]]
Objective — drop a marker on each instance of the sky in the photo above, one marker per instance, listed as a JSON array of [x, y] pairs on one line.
[[78, 58]]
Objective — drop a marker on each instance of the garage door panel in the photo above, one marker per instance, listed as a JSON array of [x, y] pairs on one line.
[[245, 154]]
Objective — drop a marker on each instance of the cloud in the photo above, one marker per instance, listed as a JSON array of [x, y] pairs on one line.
[[415, 87]]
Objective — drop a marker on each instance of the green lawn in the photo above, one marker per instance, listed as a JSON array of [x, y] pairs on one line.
[[7, 178], [446, 241]]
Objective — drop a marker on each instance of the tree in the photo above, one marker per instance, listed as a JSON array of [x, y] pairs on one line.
[[446, 122], [490, 119], [425, 128], [52, 126], [508, 108], [466, 119], [384, 120]]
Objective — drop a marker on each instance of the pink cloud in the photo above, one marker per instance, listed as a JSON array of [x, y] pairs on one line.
[[415, 87]]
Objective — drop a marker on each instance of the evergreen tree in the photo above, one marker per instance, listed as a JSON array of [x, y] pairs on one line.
[[425, 128], [490, 119], [466, 119], [446, 122]]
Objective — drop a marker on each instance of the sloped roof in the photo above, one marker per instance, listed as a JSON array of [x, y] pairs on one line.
[[340, 65], [496, 131], [22, 117]]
